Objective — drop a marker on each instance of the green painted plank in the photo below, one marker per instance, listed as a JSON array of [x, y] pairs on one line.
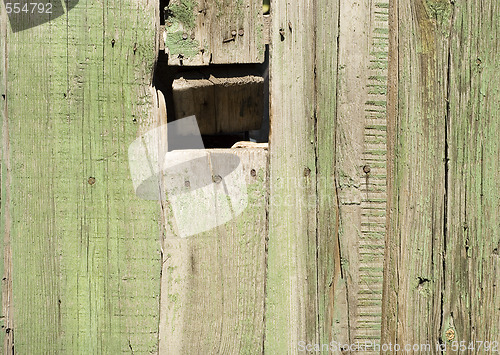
[[471, 307], [442, 266], [416, 196], [5, 263], [86, 260]]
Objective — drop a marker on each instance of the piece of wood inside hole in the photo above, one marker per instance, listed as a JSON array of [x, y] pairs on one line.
[[220, 104]]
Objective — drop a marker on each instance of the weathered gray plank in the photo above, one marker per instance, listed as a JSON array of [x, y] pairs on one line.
[[332, 306], [212, 298], [292, 293], [353, 256], [202, 32]]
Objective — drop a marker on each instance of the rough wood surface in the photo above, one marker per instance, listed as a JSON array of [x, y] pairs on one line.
[[416, 229], [212, 290], [471, 299], [442, 270], [292, 288], [360, 165], [202, 32], [6, 319], [221, 104], [331, 303], [85, 252]]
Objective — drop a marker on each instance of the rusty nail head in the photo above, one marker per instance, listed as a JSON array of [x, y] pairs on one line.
[[253, 172], [91, 180], [241, 32], [184, 36], [192, 35], [233, 33], [367, 169]]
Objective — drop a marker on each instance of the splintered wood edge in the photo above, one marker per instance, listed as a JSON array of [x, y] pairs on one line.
[[183, 83]]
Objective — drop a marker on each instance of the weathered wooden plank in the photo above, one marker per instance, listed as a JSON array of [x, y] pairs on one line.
[[417, 116], [471, 300], [202, 32], [6, 339], [212, 293], [356, 288], [292, 285], [86, 259], [220, 101], [332, 305], [352, 96], [373, 182], [443, 122]]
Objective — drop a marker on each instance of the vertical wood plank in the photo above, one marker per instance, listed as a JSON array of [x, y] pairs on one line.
[[471, 301], [350, 179], [5, 246], [213, 282], [292, 293], [374, 179], [418, 146], [86, 259], [332, 305], [351, 155], [202, 32]]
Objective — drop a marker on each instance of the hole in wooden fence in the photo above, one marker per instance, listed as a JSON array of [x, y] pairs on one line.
[[230, 101]]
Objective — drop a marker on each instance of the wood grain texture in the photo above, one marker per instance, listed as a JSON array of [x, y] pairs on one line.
[[332, 306], [360, 165], [417, 226], [442, 264], [221, 103], [374, 181], [202, 32], [212, 292], [292, 293], [471, 301], [350, 137], [6, 319], [341, 205], [85, 250]]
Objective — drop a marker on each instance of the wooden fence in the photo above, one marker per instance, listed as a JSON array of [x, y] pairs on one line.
[[373, 214]]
